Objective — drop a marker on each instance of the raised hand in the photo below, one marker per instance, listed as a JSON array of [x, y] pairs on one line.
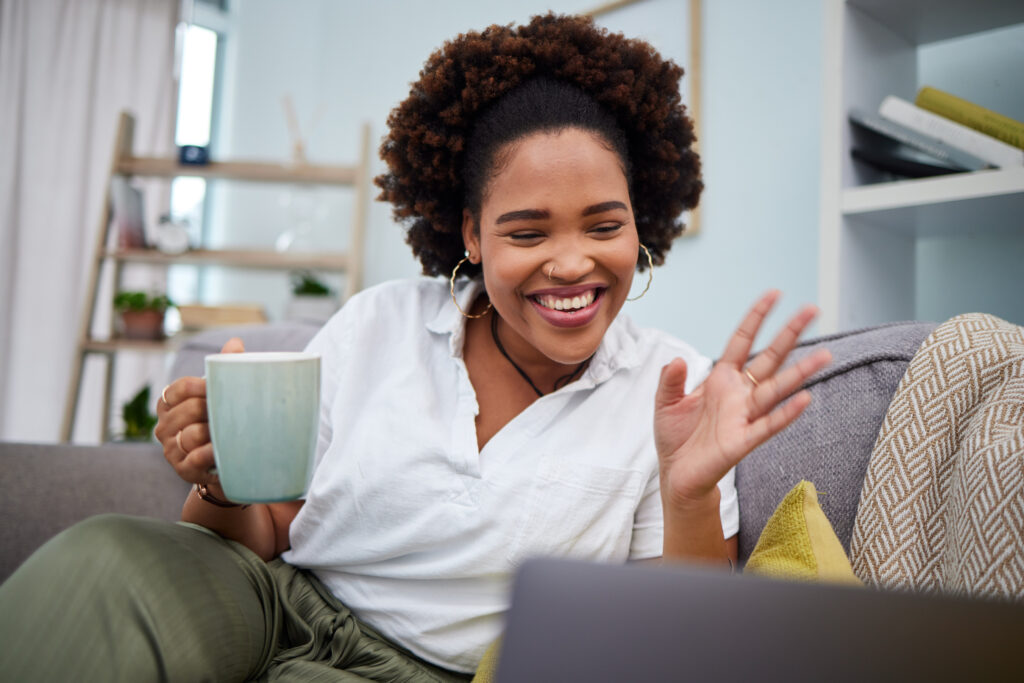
[[182, 425], [701, 435]]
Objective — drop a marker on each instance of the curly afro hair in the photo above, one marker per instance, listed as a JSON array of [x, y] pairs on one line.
[[462, 83]]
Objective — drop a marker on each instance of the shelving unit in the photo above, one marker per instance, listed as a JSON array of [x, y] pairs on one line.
[[124, 163], [238, 258], [869, 230]]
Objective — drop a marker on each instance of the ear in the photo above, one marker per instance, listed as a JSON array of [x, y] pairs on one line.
[[470, 236]]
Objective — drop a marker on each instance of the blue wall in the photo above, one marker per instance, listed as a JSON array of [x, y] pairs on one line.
[[761, 151]]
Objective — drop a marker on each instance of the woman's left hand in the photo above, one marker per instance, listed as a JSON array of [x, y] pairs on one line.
[[701, 435]]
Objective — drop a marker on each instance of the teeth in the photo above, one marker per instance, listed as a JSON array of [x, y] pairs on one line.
[[567, 303]]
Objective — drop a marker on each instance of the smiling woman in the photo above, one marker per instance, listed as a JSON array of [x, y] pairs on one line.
[[574, 240], [468, 423]]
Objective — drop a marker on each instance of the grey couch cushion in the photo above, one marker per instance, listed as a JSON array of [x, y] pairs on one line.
[[46, 488], [282, 336], [830, 443]]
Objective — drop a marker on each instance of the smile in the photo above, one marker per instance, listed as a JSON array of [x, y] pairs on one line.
[[568, 309], [567, 303]]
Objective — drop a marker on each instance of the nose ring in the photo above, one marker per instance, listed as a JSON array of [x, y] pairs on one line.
[[551, 272]]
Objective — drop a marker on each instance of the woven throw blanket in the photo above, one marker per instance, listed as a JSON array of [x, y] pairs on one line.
[[942, 506]]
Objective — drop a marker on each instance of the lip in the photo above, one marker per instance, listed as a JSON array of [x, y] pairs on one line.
[[565, 292], [568, 318]]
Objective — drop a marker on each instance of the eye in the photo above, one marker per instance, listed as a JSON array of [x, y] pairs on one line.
[[607, 230], [525, 236]]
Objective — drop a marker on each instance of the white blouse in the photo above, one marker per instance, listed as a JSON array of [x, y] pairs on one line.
[[418, 531]]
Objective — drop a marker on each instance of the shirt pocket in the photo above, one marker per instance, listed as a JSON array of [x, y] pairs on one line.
[[578, 510]]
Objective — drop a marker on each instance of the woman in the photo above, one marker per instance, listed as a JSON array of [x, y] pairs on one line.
[[473, 421]]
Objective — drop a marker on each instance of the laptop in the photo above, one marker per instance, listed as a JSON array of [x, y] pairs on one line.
[[575, 621]]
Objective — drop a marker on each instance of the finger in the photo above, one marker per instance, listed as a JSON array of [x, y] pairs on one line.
[[672, 385], [770, 393], [178, 391], [173, 434], [738, 348], [192, 437], [774, 422], [233, 345], [771, 359], [196, 467], [178, 418]]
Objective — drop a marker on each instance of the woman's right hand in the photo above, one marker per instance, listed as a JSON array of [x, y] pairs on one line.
[[182, 425]]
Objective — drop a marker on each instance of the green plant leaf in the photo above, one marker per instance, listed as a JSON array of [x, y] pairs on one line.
[[141, 301], [138, 421], [306, 283]]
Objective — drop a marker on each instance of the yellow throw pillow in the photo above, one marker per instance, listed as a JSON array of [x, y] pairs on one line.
[[488, 668], [798, 542]]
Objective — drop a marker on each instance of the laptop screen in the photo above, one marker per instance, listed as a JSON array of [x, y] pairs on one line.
[[575, 621]]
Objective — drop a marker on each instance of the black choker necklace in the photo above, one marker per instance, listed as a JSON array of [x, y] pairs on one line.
[[559, 383]]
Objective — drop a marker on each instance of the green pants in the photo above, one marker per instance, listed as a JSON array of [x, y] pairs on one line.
[[118, 598]]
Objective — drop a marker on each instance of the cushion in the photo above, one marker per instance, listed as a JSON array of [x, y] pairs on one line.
[[281, 336], [798, 542], [45, 488], [831, 442], [488, 668]]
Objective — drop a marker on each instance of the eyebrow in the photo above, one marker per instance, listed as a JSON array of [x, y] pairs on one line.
[[602, 207], [540, 214]]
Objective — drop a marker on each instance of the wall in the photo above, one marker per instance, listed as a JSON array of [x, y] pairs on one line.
[[762, 103], [944, 286], [760, 142]]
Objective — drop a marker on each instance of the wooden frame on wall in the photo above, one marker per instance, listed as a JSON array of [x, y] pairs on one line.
[[693, 80]]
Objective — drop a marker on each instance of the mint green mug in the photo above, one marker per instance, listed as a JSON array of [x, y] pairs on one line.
[[264, 412]]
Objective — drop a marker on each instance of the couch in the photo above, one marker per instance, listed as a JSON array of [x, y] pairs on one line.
[[46, 488]]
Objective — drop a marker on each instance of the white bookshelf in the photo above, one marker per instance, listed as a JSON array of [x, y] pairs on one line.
[[869, 229]]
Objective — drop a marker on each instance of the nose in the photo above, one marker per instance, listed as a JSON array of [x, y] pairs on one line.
[[568, 262]]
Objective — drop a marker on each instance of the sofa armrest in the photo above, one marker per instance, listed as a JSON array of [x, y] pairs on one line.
[[831, 442], [46, 488]]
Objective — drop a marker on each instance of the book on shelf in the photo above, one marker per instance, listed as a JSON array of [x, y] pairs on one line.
[[971, 115], [883, 129], [951, 133], [126, 214], [902, 161]]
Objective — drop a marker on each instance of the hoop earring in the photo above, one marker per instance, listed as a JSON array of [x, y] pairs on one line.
[[451, 288], [650, 273]]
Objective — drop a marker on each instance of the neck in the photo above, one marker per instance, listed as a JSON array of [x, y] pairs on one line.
[[543, 377]]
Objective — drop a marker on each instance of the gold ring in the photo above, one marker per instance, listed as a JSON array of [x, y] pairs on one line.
[[753, 379], [163, 396], [177, 440], [551, 272]]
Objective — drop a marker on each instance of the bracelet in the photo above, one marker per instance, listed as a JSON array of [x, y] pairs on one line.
[[204, 494]]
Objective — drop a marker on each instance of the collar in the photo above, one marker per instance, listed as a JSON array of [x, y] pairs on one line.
[[449, 320], [619, 349]]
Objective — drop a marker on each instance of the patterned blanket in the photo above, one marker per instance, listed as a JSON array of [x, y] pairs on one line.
[[942, 506]]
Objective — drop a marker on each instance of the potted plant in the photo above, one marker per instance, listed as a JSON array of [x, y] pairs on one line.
[[138, 421], [311, 299], [141, 315]]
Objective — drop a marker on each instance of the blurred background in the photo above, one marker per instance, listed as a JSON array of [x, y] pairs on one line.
[[252, 79]]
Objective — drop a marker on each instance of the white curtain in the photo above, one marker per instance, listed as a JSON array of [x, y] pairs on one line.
[[67, 68]]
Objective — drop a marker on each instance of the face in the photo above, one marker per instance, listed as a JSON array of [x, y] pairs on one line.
[[561, 202]]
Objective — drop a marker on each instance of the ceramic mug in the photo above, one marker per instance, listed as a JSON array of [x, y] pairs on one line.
[[264, 412]]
